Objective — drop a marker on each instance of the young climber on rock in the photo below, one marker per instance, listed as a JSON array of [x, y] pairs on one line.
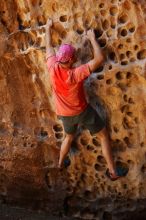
[[70, 102]]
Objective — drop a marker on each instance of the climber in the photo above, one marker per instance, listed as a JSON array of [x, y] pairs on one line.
[[70, 102]]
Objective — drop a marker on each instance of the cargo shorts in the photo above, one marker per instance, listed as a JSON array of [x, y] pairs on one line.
[[89, 118]]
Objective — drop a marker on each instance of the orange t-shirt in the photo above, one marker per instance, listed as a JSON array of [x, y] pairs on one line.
[[67, 87]]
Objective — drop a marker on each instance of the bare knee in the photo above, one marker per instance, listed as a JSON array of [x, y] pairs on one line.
[[103, 134], [66, 144], [69, 137]]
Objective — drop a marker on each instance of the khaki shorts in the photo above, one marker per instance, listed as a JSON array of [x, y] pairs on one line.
[[89, 118]]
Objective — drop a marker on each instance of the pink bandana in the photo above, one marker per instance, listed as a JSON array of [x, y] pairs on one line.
[[65, 53]]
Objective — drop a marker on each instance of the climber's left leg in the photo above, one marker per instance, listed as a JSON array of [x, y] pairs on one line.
[[106, 150]]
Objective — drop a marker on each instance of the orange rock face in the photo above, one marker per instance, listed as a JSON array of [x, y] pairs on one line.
[[31, 135]]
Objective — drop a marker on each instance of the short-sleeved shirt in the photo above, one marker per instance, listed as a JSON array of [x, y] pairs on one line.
[[68, 89]]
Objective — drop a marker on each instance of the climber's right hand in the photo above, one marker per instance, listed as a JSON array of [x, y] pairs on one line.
[[91, 34]]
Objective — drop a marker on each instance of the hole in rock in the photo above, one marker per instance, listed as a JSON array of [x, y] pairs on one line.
[[63, 18], [90, 147], [55, 7], [127, 124], [113, 22], [128, 54], [128, 40], [122, 164], [89, 195], [143, 169], [34, 145], [142, 144], [124, 108], [87, 21], [136, 120], [122, 56], [116, 129], [124, 62], [110, 67], [101, 5], [132, 59], [125, 97], [31, 42], [21, 27], [40, 132], [113, 26], [103, 12], [123, 19], [141, 54], [59, 41], [122, 86], [83, 177], [109, 81], [118, 146], [136, 47], [102, 42], [113, 1], [3, 128], [80, 31], [127, 141], [119, 193], [113, 10], [59, 135], [98, 33], [99, 69], [100, 77], [119, 75], [43, 133], [131, 101], [128, 75], [95, 142], [57, 128], [83, 141], [38, 42], [132, 29], [130, 162], [129, 114], [63, 34], [99, 167], [120, 46], [124, 32], [112, 56], [101, 159], [97, 176], [105, 24], [40, 23], [107, 216], [58, 143]]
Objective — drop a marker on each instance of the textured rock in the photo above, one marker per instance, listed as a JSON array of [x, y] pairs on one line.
[[30, 134]]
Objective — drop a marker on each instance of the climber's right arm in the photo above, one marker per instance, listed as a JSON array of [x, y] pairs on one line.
[[98, 56], [49, 48]]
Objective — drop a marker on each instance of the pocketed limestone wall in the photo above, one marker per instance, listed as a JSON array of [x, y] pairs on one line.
[[31, 135]]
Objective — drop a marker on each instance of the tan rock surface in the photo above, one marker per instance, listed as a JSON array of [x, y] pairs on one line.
[[30, 134]]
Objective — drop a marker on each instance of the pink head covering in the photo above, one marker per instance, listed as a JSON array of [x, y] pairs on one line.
[[65, 53]]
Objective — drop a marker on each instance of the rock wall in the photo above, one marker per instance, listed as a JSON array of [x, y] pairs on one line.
[[31, 135]]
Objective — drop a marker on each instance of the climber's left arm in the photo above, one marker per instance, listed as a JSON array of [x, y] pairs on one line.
[[49, 48]]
